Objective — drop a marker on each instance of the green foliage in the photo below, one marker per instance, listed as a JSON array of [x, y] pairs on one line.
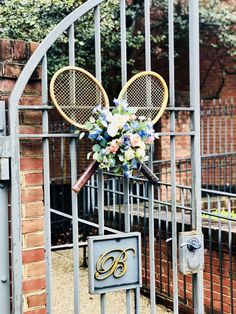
[[32, 20], [224, 215], [217, 23]]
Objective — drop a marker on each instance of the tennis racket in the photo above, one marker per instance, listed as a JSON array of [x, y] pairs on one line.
[[75, 93], [147, 91]]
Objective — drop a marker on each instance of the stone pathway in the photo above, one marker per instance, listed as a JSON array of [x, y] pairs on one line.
[[62, 291]]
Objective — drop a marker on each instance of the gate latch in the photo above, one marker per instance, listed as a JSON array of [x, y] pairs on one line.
[[191, 252]]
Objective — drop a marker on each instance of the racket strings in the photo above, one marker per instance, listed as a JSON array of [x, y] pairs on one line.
[[147, 94], [77, 94]]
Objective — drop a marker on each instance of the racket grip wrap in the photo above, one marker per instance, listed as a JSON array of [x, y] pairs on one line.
[[150, 175], [85, 177]]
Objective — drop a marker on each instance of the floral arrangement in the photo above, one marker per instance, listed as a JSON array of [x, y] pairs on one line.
[[121, 138]]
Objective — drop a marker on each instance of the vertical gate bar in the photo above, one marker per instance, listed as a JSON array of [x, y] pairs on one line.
[[4, 232], [220, 254], [231, 125], [230, 239], [172, 154], [151, 237], [126, 181], [101, 226], [127, 229], [147, 35], [97, 43], [46, 180], [202, 127], [159, 234], [123, 41], [226, 126], [75, 229], [147, 4], [74, 198], [195, 141], [16, 260], [220, 125], [71, 34], [214, 125], [126, 204], [100, 172]]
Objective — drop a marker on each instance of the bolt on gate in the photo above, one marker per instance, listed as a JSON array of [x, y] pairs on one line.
[[98, 184]]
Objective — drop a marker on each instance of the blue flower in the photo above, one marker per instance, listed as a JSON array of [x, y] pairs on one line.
[[125, 167], [127, 174], [134, 125], [98, 129], [142, 133], [126, 127], [92, 135], [106, 135], [97, 108], [134, 164], [116, 101]]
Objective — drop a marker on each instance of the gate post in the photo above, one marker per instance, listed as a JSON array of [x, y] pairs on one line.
[[4, 235], [198, 293]]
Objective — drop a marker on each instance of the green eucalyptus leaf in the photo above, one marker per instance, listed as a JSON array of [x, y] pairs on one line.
[[96, 148], [81, 135]]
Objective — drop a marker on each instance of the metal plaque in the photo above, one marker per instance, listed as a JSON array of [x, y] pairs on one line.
[[114, 262]]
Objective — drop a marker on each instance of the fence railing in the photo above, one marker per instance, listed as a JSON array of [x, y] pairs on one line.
[[219, 228], [218, 171]]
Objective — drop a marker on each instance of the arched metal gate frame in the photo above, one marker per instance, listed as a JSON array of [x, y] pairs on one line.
[[40, 56]]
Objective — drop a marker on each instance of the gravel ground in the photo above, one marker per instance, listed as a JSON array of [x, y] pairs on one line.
[[62, 291]]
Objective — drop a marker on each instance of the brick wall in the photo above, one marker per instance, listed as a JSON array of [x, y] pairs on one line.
[[215, 262], [13, 56]]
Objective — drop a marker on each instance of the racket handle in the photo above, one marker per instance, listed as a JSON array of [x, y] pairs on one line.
[[85, 176], [149, 173]]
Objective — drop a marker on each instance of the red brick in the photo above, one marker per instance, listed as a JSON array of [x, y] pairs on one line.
[[34, 285], [31, 164], [34, 240], [28, 100], [33, 210], [5, 49], [6, 86], [32, 117], [227, 309], [19, 50], [29, 129], [31, 195], [32, 47], [12, 70], [36, 300], [217, 288], [33, 179], [30, 226], [33, 88], [35, 255], [31, 148], [35, 269]]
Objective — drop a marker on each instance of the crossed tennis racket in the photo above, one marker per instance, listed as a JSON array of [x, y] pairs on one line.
[[75, 93]]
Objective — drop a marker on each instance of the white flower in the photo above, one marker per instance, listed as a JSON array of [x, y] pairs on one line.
[[135, 140], [129, 154], [140, 152], [119, 120], [112, 130], [109, 116]]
